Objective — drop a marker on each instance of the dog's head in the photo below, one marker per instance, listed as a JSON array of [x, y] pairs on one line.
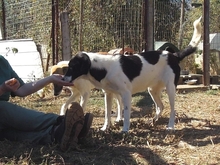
[[79, 65], [58, 69]]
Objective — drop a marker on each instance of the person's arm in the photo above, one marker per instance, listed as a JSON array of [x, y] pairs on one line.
[[31, 87]]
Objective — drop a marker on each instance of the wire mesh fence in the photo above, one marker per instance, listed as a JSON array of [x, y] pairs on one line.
[[97, 25], [106, 24], [27, 19]]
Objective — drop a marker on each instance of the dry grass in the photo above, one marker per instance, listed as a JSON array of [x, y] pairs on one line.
[[196, 140]]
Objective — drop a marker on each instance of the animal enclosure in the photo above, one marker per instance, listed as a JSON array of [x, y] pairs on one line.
[[95, 25], [99, 25]]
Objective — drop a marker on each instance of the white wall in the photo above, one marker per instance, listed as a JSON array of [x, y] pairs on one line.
[[26, 62]]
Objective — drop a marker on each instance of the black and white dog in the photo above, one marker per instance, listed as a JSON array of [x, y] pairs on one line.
[[127, 75], [81, 89]]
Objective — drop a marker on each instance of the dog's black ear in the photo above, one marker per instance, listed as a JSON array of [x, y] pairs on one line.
[[85, 63]]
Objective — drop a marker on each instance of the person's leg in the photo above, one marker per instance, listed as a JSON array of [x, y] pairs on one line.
[[23, 119], [40, 137], [21, 124]]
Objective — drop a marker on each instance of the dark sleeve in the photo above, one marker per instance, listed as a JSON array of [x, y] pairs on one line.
[[6, 73], [13, 74]]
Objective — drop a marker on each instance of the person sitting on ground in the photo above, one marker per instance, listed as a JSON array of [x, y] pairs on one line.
[[18, 123]]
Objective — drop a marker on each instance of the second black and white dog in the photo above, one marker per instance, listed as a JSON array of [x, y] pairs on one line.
[[127, 75]]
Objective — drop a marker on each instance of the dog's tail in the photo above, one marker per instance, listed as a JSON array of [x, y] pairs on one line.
[[192, 47]]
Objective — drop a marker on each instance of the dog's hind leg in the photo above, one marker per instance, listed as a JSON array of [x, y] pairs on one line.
[[108, 106], [126, 99], [155, 93], [119, 108], [171, 91]]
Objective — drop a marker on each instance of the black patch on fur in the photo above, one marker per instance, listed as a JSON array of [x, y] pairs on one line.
[[98, 74], [173, 62], [131, 66], [152, 57]]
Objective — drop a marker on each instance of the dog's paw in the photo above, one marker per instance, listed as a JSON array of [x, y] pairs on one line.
[[104, 128], [170, 129]]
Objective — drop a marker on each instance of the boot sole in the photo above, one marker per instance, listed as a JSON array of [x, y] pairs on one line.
[[74, 120]]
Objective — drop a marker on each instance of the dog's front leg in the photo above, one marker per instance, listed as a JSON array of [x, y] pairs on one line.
[[108, 106], [126, 99], [84, 99], [74, 96]]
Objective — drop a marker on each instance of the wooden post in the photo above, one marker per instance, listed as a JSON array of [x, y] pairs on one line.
[[181, 24], [206, 44], [81, 26], [57, 31], [66, 43], [53, 33], [3, 21], [148, 25]]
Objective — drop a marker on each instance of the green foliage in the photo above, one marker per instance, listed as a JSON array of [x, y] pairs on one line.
[[212, 92]]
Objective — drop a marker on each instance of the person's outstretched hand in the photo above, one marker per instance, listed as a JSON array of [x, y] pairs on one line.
[[58, 80]]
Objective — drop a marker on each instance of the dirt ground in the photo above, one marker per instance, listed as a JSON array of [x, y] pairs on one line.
[[195, 141]]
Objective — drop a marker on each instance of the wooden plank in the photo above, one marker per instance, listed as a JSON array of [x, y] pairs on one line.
[[66, 44]]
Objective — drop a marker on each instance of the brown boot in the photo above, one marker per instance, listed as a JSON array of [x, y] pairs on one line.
[[86, 126], [68, 130]]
